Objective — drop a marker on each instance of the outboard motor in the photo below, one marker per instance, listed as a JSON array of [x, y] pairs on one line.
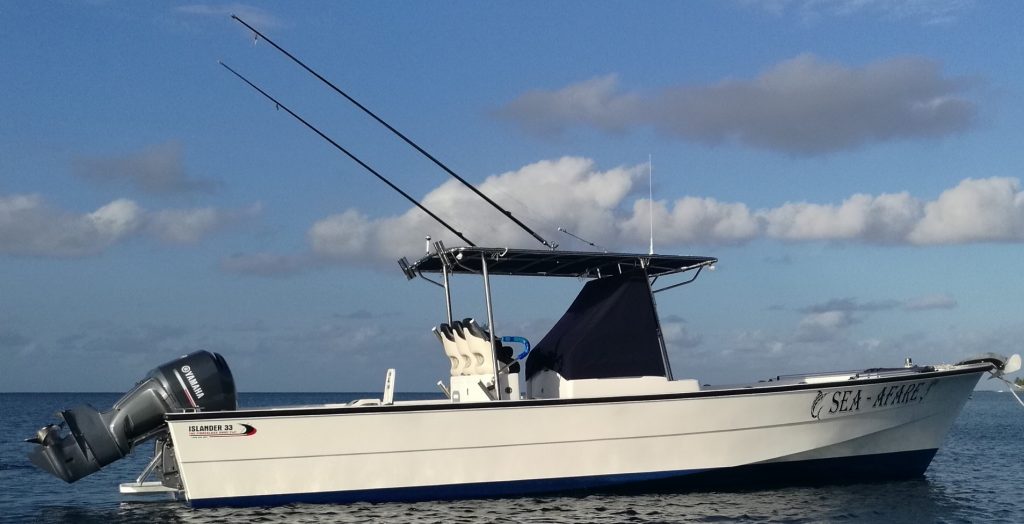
[[198, 381]]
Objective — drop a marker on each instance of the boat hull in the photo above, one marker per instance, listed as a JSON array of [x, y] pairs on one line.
[[830, 432], [868, 468]]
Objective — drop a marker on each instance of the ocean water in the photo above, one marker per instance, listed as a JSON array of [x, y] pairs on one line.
[[977, 476]]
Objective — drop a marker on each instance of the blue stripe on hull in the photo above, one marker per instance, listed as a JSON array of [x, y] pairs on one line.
[[885, 466]]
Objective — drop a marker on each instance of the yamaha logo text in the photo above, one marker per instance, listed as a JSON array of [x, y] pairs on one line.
[[191, 379]]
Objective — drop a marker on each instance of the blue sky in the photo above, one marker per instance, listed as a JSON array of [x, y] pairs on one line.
[[855, 165]]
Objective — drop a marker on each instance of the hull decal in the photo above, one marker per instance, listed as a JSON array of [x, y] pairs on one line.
[[221, 430]]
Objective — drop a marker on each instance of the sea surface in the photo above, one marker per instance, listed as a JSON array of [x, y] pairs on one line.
[[977, 476]]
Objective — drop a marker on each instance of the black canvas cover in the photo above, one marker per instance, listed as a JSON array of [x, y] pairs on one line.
[[610, 330]]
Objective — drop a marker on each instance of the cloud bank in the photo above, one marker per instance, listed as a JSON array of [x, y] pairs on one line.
[[29, 226], [606, 207], [801, 106]]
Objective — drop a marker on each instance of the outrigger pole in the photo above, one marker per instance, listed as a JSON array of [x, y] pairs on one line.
[[279, 105], [551, 245]]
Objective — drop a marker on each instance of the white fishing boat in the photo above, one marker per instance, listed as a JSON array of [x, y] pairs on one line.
[[594, 406], [601, 409]]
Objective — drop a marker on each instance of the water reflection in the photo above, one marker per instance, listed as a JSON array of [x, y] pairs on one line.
[[905, 501]]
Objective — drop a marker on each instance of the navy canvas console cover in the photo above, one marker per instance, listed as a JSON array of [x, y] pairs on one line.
[[610, 330]]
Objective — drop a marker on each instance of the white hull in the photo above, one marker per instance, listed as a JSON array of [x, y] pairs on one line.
[[412, 451]]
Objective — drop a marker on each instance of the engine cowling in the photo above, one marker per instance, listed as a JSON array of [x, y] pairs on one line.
[[197, 381]]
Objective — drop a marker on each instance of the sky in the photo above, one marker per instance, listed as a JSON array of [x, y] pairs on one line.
[[855, 165]]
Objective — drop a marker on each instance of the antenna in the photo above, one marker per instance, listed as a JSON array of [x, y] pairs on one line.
[[279, 105], [585, 241], [650, 198], [399, 134]]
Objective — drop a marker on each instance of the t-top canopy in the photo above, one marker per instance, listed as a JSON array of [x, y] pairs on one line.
[[609, 331], [528, 262]]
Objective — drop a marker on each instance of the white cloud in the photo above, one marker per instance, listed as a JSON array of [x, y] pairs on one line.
[[801, 106], [567, 192], [678, 336], [824, 326], [976, 210], [184, 226], [116, 219], [345, 235], [595, 205], [188, 226], [752, 343], [883, 219], [692, 220], [28, 226], [31, 227]]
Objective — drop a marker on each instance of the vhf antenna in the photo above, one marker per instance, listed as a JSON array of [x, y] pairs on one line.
[[279, 105], [650, 198], [399, 134]]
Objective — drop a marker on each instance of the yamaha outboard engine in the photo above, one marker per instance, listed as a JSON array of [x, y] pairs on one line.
[[198, 381]]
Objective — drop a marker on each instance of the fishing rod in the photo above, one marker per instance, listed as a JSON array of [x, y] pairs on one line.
[[551, 245], [279, 105]]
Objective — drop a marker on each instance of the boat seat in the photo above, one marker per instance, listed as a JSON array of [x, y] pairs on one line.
[[481, 345], [469, 365], [450, 350], [461, 352], [504, 354], [474, 328]]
